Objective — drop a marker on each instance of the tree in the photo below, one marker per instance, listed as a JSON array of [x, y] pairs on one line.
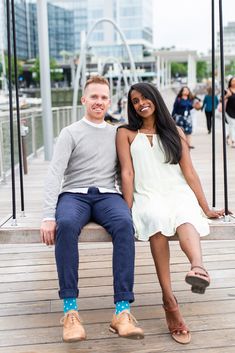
[[19, 65], [230, 68], [178, 69], [56, 74], [202, 70]]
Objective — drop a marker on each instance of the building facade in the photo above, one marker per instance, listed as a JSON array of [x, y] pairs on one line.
[[67, 19], [229, 39]]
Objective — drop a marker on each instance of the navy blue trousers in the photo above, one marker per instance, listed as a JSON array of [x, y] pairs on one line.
[[73, 212]]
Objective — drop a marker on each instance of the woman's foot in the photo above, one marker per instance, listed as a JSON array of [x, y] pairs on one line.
[[175, 322], [198, 278]]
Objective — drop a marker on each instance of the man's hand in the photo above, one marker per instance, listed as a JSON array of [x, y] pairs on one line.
[[47, 232]]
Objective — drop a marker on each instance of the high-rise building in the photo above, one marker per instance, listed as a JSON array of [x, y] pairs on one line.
[[67, 19], [229, 39], [133, 17]]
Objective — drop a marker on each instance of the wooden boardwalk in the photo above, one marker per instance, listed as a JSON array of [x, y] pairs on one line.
[[30, 310]]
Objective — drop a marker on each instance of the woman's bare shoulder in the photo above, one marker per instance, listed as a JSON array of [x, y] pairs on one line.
[[126, 133]]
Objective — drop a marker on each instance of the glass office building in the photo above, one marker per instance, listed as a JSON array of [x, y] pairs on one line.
[[133, 17], [67, 19], [60, 27]]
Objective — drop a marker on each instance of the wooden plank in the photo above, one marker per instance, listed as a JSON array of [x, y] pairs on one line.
[[154, 343], [106, 301], [100, 331], [102, 315], [30, 310], [94, 273]]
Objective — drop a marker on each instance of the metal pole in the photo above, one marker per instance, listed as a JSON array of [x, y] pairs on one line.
[[45, 81], [11, 113], [2, 33], [223, 108], [213, 101], [17, 109]]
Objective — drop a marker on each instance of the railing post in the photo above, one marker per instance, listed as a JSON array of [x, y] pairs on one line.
[[34, 148], [58, 122], [2, 172]]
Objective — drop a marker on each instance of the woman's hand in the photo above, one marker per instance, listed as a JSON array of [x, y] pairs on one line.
[[216, 213]]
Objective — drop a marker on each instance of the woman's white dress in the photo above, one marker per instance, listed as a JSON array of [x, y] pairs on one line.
[[162, 198]]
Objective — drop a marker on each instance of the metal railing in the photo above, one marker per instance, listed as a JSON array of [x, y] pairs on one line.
[[31, 132]]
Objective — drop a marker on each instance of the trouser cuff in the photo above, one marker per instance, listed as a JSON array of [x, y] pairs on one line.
[[126, 296]]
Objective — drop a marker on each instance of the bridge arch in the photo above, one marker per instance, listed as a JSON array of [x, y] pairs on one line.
[[83, 56]]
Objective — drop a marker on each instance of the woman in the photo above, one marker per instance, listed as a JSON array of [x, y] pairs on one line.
[[164, 192], [181, 113], [230, 110], [207, 105]]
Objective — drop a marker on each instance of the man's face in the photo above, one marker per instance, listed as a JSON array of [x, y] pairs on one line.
[[96, 100]]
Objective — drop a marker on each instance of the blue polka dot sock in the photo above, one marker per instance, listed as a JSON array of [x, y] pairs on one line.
[[70, 304], [120, 306]]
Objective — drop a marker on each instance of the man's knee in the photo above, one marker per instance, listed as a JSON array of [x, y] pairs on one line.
[[66, 226], [124, 227]]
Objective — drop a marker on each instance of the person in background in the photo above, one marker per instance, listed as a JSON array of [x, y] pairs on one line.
[[182, 112], [207, 106], [163, 190], [230, 111], [85, 162]]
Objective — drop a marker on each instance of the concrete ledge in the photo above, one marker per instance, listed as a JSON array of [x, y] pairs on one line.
[[93, 232]]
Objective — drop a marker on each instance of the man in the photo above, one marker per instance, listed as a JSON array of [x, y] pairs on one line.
[[85, 159]]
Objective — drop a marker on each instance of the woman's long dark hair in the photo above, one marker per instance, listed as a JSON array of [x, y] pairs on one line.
[[190, 95], [230, 81], [164, 123]]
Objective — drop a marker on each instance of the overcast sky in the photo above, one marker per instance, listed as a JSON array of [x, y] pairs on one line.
[[187, 23]]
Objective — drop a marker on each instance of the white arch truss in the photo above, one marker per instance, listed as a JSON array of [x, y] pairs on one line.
[[83, 55]]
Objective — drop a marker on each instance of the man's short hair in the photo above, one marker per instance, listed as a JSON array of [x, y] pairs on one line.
[[97, 79]]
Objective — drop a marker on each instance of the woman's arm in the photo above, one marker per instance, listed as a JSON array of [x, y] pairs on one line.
[[127, 172], [193, 180], [175, 107]]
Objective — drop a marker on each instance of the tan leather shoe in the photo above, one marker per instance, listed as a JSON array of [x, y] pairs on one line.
[[124, 325], [73, 330]]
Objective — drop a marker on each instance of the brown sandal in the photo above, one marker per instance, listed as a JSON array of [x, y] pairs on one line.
[[177, 332], [198, 280]]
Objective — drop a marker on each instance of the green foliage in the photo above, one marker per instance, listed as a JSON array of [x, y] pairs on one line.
[[202, 70], [230, 68], [178, 69], [56, 74], [19, 65]]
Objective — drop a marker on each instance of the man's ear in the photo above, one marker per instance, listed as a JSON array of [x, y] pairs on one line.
[[83, 100]]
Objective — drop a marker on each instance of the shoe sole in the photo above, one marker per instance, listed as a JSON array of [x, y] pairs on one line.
[[182, 339], [131, 336], [199, 285], [73, 340]]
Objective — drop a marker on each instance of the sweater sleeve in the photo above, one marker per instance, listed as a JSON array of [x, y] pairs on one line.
[[63, 149]]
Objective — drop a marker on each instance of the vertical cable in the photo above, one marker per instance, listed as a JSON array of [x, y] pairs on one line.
[[11, 111], [213, 101], [223, 108], [17, 108]]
